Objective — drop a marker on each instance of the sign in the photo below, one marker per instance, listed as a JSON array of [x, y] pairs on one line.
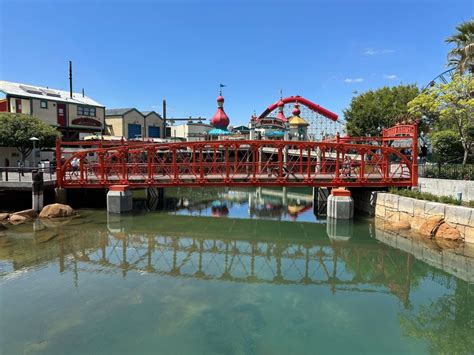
[[270, 123], [86, 121]]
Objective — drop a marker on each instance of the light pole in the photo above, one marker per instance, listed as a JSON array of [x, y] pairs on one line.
[[34, 140]]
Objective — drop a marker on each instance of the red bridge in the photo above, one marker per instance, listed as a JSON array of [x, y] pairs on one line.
[[389, 160]]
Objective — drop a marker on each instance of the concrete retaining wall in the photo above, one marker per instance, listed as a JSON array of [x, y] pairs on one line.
[[396, 208], [458, 262], [445, 187]]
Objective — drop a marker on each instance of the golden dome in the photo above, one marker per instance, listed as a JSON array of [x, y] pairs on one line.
[[297, 121]]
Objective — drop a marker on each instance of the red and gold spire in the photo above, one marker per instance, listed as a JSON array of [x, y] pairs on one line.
[[281, 115], [220, 118]]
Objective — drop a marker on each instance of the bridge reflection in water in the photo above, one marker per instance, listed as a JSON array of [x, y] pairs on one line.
[[239, 252], [226, 250]]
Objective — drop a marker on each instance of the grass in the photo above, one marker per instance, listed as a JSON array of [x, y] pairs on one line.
[[429, 197]]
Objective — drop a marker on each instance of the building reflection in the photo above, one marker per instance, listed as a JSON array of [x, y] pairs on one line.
[[267, 203]]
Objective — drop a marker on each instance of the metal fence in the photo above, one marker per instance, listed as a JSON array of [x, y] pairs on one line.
[[447, 171]]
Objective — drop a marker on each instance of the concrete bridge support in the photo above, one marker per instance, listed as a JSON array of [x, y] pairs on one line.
[[340, 204], [119, 199]]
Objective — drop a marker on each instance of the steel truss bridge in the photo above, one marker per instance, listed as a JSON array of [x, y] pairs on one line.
[[389, 160]]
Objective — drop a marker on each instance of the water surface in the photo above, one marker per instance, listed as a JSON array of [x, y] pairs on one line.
[[228, 272]]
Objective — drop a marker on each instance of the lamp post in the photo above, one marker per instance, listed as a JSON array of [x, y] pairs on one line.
[[34, 140]]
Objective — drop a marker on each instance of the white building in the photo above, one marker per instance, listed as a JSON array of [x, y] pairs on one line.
[[74, 114], [190, 131]]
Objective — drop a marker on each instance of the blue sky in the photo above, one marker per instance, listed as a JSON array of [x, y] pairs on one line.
[[135, 53]]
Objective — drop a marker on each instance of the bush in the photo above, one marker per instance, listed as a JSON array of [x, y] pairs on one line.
[[426, 196], [450, 171]]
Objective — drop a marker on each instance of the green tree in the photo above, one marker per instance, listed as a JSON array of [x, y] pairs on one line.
[[16, 129], [462, 55], [446, 146], [380, 108], [453, 105]]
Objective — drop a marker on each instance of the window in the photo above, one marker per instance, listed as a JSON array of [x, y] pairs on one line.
[[43, 104], [86, 111]]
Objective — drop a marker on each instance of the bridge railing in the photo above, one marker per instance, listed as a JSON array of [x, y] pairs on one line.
[[273, 163]]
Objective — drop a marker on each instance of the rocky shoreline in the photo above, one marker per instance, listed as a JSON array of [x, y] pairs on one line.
[[55, 210]]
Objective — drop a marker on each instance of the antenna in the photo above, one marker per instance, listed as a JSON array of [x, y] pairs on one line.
[[164, 118], [70, 79]]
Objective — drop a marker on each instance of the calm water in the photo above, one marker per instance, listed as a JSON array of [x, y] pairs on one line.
[[229, 272]]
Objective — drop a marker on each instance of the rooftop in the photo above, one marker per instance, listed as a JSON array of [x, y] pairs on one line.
[[45, 93], [146, 113], [119, 111], [297, 121]]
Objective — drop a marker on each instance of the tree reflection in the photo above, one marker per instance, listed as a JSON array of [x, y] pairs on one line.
[[446, 323]]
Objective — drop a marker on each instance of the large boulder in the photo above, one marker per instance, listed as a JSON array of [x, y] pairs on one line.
[[56, 210], [428, 228], [28, 214], [445, 231], [17, 219], [401, 225]]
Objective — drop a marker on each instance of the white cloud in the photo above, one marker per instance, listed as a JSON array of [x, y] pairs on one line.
[[390, 77], [353, 80], [375, 51]]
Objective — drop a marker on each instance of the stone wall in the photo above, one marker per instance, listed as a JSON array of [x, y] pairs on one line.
[[396, 208], [445, 187], [458, 262]]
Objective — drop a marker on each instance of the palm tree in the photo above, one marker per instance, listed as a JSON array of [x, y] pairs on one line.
[[462, 56]]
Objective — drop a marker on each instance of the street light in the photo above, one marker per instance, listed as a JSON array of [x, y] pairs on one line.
[[34, 140]]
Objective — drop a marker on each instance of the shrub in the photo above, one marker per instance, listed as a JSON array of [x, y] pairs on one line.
[[427, 196]]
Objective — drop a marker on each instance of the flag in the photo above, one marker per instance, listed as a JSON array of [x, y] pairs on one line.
[[222, 85]]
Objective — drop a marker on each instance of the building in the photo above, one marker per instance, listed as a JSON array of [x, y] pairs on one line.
[[130, 123], [240, 132], [190, 131], [275, 128], [74, 114], [298, 126], [154, 125]]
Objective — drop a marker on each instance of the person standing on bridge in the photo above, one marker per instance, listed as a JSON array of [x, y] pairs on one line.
[[346, 167]]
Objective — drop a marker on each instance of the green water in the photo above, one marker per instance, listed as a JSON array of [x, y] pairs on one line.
[[228, 273]]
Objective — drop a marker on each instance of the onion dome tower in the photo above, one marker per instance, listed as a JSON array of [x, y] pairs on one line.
[[220, 119], [298, 125], [281, 115]]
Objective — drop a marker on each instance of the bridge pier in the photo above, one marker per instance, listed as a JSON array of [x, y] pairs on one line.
[[119, 199], [340, 204]]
